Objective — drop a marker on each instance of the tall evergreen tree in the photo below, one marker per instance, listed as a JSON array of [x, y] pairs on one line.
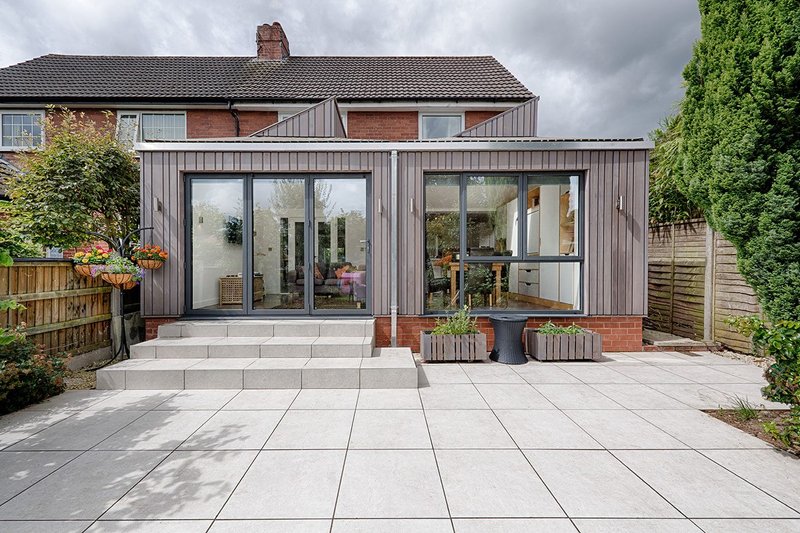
[[741, 140]]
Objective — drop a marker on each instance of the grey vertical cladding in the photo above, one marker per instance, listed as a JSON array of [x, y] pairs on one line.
[[320, 120], [162, 178], [519, 121], [614, 240], [614, 249]]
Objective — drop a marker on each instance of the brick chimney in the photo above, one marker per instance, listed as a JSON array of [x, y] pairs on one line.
[[272, 42]]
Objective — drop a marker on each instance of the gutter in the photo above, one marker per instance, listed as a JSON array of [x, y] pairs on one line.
[[394, 246], [275, 144]]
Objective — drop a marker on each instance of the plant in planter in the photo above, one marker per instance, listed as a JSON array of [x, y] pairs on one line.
[[149, 256], [119, 270], [563, 343], [454, 339], [85, 260]]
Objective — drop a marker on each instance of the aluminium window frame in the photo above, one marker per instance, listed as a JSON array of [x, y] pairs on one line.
[[522, 239], [422, 114], [10, 148]]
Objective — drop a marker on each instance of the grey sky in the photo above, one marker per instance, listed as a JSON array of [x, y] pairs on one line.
[[601, 67]]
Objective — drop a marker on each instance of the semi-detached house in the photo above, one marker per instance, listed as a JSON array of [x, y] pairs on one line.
[[399, 188]]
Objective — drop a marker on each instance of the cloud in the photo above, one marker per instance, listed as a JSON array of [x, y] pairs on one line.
[[601, 67]]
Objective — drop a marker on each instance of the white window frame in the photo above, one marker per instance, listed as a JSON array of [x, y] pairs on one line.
[[422, 114], [39, 112], [138, 114]]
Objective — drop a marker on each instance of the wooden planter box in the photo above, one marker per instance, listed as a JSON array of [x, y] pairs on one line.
[[563, 347], [453, 347]]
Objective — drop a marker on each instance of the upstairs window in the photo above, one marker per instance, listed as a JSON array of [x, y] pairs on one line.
[[21, 129], [150, 126], [438, 126]]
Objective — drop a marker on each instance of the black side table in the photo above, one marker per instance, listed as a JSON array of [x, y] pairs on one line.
[[508, 339]]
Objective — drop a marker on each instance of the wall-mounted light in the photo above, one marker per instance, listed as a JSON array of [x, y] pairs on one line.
[[411, 206], [621, 203], [380, 205], [159, 206]]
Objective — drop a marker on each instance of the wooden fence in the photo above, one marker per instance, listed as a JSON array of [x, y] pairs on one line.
[[694, 284], [63, 312]]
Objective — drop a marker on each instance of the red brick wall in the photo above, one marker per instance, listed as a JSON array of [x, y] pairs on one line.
[[252, 121], [151, 326], [99, 116], [204, 123], [620, 333], [471, 118], [388, 126]]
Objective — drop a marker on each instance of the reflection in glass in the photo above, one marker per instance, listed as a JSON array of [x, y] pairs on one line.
[[217, 252], [552, 209], [278, 248], [441, 241], [340, 243], [522, 286], [492, 215]]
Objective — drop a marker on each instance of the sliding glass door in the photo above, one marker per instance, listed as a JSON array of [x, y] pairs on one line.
[[278, 245]]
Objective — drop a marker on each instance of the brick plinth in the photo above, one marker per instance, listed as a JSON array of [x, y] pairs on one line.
[[620, 333], [151, 325]]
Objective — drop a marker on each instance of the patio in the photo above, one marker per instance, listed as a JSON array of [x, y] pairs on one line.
[[591, 447]]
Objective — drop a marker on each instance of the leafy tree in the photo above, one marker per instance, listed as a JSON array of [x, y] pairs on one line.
[[81, 180], [667, 203], [741, 140]]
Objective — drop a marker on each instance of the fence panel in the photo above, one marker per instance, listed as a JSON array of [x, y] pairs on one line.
[[63, 311], [692, 273]]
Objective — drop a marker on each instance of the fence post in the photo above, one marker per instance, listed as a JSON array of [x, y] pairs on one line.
[[672, 280], [708, 289]]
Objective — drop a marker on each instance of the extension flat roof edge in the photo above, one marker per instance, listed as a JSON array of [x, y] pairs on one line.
[[289, 144]]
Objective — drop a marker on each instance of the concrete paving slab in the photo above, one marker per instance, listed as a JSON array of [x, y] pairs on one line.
[[712, 492], [389, 429], [390, 484], [595, 484], [548, 429], [186, 485], [288, 484], [466, 429], [85, 487], [312, 429]]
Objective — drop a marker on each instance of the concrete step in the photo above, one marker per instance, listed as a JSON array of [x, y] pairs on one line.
[[232, 347], [327, 327], [388, 368]]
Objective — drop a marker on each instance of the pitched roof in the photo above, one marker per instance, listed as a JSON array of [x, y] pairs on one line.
[[75, 78]]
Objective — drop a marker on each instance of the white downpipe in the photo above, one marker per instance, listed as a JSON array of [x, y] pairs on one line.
[[394, 246]]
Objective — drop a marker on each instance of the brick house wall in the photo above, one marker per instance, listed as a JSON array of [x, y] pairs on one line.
[[471, 118], [204, 123], [383, 125]]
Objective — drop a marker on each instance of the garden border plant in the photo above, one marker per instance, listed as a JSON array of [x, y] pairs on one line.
[[781, 341]]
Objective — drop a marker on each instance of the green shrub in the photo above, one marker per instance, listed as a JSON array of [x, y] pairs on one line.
[[780, 340], [459, 323], [548, 328], [27, 373]]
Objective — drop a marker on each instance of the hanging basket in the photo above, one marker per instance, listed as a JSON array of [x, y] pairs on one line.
[[84, 271], [117, 280], [129, 285], [150, 264]]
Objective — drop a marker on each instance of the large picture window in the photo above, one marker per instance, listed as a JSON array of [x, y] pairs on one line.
[[21, 129], [509, 242]]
